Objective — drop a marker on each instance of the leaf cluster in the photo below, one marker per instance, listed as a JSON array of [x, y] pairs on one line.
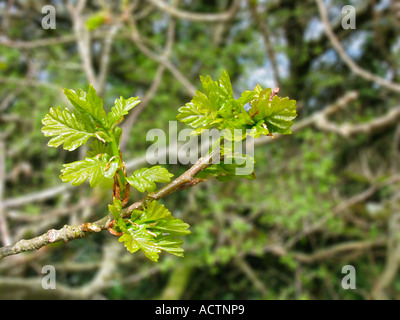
[[153, 229], [257, 112]]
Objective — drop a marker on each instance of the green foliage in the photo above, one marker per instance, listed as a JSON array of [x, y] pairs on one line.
[[115, 208], [154, 229], [299, 179], [88, 103], [120, 109], [227, 169], [276, 113], [96, 20], [95, 169], [217, 107], [70, 129], [145, 179]]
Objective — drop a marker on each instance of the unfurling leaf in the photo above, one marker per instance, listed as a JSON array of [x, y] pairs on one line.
[[70, 129], [89, 103], [195, 115], [203, 110], [98, 148], [276, 115], [240, 166], [145, 179], [157, 217], [120, 109], [216, 107], [115, 208], [141, 240], [96, 20], [154, 230], [93, 168]]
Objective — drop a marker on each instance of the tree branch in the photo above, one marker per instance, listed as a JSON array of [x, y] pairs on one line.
[[162, 59], [83, 41], [68, 233], [199, 17], [105, 57], [347, 59], [265, 32], [5, 235], [128, 124]]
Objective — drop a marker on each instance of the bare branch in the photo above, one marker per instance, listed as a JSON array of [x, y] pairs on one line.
[[105, 57], [392, 257], [37, 196], [338, 251], [346, 130], [127, 126], [136, 38], [347, 59], [83, 41], [5, 235], [251, 275], [199, 17], [266, 34]]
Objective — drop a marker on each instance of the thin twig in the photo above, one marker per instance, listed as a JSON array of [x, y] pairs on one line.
[[346, 58], [199, 17], [266, 34], [5, 235]]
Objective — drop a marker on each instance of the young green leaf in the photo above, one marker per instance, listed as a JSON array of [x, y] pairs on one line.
[[204, 108], [218, 91], [96, 169], [145, 179], [152, 212], [197, 114], [233, 166], [96, 20], [160, 218], [135, 240], [154, 229], [98, 148], [247, 97], [171, 245], [115, 208], [225, 84], [278, 114], [70, 129], [89, 103], [120, 109], [217, 107]]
